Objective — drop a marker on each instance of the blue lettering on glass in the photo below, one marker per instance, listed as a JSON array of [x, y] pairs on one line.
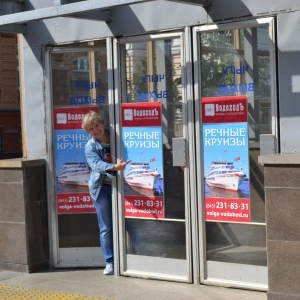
[[141, 96], [235, 88], [83, 85], [233, 70], [86, 100], [232, 88], [153, 78]]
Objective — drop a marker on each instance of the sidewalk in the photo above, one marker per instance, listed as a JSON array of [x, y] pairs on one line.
[[70, 284]]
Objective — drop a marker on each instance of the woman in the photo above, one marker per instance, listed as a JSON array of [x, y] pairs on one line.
[[102, 170]]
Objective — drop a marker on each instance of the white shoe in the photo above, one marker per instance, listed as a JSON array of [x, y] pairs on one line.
[[109, 269]]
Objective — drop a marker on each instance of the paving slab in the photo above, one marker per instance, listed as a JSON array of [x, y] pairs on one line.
[[84, 283]]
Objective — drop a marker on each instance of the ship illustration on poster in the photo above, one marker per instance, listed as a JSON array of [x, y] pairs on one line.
[[223, 175], [140, 175], [74, 173], [140, 178]]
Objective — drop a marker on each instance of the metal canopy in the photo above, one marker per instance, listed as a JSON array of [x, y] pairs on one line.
[[63, 10], [92, 9]]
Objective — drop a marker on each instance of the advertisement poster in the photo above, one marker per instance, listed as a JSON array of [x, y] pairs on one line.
[[142, 145], [226, 159], [72, 173]]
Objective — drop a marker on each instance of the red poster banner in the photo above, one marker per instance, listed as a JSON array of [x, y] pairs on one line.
[[230, 109], [70, 117], [141, 114]]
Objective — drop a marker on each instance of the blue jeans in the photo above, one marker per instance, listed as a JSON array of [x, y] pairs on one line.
[[103, 207]]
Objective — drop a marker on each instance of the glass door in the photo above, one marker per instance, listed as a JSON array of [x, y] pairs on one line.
[[154, 200], [237, 105], [78, 81]]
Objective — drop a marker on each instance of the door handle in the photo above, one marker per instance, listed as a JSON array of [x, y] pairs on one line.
[[267, 144], [179, 152]]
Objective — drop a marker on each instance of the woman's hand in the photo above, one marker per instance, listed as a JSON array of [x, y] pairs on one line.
[[120, 165]]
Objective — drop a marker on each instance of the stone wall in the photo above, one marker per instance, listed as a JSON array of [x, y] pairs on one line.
[[24, 243], [282, 191]]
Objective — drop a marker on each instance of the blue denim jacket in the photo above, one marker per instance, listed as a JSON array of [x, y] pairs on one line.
[[96, 159]]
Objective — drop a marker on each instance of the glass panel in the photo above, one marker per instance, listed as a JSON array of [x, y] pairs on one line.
[[153, 74], [72, 76], [156, 238], [79, 79], [237, 62], [236, 243]]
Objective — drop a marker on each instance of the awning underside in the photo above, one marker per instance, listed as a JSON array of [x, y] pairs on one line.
[[14, 16]]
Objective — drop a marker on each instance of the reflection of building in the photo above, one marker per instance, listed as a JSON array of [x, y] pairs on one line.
[[146, 76], [82, 70], [87, 77], [10, 120], [265, 116]]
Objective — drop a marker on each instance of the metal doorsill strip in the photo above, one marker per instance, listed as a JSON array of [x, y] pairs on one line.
[[152, 275], [236, 284]]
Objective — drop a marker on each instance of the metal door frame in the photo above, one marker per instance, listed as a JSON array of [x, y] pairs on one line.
[[188, 133], [203, 276], [69, 257]]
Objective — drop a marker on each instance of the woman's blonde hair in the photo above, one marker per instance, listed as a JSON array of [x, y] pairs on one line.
[[91, 118]]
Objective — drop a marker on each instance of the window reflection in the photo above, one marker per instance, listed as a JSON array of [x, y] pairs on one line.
[[237, 62], [81, 64], [81, 76]]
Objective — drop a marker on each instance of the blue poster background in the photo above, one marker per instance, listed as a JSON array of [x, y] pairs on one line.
[[69, 147], [226, 148], [140, 149]]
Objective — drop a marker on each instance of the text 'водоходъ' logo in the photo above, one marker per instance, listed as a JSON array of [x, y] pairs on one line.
[[145, 112], [212, 109], [130, 114]]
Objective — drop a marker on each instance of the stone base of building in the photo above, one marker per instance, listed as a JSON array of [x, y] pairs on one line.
[[24, 242], [282, 191]]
